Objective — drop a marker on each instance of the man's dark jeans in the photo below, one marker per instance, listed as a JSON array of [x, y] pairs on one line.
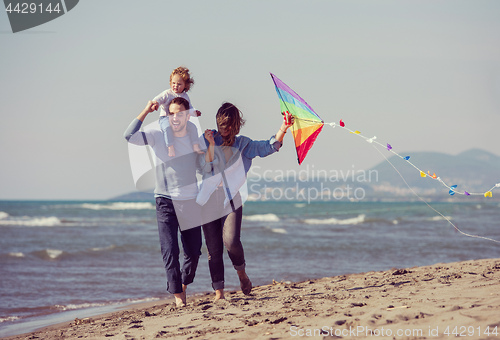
[[168, 226]]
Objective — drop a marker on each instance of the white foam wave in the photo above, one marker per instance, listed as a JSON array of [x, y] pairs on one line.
[[142, 300], [299, 205], [111, 247], [440, 218], [16, 254], [48, 254], [3, 215], [53, 253], [9, 318], [119, 206], [50, 221], [262, 218], [80, 306], [335, 221], [279, 231], [103, 304]]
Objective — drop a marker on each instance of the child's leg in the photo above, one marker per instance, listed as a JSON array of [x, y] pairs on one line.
[[192, 132], [167, 130], [168, 135]]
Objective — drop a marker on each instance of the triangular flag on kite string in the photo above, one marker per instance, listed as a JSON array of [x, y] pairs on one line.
[[452, 189]]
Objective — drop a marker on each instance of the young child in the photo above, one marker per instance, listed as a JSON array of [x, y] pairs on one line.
[[180, 83]]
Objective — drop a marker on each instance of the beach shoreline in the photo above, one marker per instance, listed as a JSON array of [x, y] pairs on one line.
[[431, 302]]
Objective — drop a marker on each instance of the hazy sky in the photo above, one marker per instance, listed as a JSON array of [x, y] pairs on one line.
[[420, 75]]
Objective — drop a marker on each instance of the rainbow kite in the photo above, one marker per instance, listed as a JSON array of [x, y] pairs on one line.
[[307, 125]]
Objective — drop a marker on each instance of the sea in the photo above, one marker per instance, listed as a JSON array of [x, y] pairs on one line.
[[61, 260]]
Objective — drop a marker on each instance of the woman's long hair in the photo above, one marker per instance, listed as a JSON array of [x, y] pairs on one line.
[[229, 117]]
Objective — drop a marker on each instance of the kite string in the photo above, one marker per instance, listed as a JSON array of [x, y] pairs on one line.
[[372, 141], [422, 173], [389, 148], [426, 203]]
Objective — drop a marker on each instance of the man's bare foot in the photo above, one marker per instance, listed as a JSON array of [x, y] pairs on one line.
[[180, 298], [245, 283], [171, 151], [219, 295]]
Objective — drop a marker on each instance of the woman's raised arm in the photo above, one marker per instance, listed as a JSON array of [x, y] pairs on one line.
[[288, 121]]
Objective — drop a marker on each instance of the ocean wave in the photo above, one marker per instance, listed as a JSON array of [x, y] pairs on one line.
[[17, 254], [439, 218], [86, 305], [80, 306], [49, 254], [119, 206], [9, 318], [26, 221], [279, 231], [143, 300], [58, 254], [336, 221], [110, 247], [262, 218], [382, 221], [3, 215]]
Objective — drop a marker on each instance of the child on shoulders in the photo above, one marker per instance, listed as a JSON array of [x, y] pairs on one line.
[[180, 83]]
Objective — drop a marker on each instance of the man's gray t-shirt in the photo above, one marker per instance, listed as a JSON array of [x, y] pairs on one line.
[[175, 177]]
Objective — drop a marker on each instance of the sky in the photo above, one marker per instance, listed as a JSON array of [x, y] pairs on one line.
[[420, 75]]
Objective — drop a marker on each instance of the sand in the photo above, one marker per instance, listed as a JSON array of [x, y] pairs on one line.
[[431, 302]]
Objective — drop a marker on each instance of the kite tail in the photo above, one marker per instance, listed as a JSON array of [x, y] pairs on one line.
[[437, 212], [452, 189]]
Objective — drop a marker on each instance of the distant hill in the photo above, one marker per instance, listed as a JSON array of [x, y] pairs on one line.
[[474, 170], [136, 196]]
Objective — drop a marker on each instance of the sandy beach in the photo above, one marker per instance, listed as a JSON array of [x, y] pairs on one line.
[[433, 302]]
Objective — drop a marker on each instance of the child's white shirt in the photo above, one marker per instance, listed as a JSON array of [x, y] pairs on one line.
[[166, 97]]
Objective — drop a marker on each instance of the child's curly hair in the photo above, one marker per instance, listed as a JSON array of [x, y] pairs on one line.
[[184, 73]]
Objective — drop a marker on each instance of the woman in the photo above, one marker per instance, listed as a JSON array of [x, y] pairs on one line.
[[227, 160]]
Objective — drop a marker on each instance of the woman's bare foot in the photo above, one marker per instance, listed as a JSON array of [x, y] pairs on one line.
[[245, 283], [180, 298], [219, 295]]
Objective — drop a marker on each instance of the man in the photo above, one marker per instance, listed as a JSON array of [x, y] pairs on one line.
[[175, 193]]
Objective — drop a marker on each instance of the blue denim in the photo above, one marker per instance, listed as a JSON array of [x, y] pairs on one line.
[[249, 148], [168, 227], [223, 231]]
